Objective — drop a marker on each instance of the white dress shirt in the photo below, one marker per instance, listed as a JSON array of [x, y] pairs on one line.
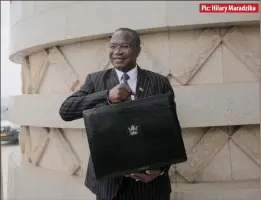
[[132, 80]]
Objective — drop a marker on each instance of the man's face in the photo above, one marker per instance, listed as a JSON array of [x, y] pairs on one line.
[[123, 51]]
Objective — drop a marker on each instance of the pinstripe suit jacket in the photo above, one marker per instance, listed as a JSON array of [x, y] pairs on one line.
[[94, 93]]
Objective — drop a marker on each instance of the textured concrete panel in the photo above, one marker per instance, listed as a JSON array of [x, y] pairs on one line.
[[211, 72], [192, 136], [36, 107], [200, 156], [243, 168], [235, 71], [42, 183], [209, 161], [59, 155], [247, 190], [77, 138], [60, 186], [198, 53], [215, 105], [219, 169], [65, 22], [244, 194], [246, 49], [26, 140], [38, 147], [247, 138], [218, 104], [64, 69], [177, 14], [41, 65], [87, 57], [154, 51]]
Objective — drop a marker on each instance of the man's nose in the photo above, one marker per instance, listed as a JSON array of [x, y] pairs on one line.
[[117, 51]]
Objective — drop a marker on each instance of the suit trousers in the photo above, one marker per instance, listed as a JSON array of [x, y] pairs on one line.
[[135, 190]]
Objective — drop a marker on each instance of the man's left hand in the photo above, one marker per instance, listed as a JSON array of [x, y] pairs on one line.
[[146, 177]]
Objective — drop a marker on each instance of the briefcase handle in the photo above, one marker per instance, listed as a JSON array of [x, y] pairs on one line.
[[140, 108]]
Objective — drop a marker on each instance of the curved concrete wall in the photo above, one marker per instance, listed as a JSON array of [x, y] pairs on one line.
[[61, 22], [210, 59]]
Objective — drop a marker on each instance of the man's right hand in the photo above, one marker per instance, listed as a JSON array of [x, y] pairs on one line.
[[119, 93]]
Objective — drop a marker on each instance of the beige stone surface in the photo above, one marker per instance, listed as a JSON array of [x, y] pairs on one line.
[[55, 23], [87, 52], [210, 163], [249, 194], [63, 68], [164, 52], [192, 136], [235, 70], [211, 62], [61, 186], [201, 154], [80, 146], [248, 139], [216, 166], [212, 65], [199, 114], [219, 168], [213, 155], [218, 104], [6, 150], [247, 190], [155, 50], [242, 166], [41, 183], [199, 51], [246, 49]]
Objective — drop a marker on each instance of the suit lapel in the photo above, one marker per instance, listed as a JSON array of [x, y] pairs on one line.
[[143, 88], [111, 79]]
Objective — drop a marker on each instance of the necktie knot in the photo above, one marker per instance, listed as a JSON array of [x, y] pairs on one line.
[[125, 78]]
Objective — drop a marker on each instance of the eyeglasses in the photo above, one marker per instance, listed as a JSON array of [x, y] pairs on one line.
[[122, 47]]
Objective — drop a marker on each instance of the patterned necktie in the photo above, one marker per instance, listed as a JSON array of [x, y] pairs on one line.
[[125, 78]]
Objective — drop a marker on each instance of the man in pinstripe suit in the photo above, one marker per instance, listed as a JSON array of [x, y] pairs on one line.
[[126, 80]]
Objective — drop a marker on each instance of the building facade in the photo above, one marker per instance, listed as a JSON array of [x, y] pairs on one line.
[[212, 61]]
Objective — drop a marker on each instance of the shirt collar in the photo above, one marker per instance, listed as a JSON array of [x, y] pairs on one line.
[[132, 73]]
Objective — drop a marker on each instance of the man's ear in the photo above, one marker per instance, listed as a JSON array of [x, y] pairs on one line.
[[138, 51]]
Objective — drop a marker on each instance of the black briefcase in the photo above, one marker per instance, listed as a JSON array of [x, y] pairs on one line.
[[134, 136]]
